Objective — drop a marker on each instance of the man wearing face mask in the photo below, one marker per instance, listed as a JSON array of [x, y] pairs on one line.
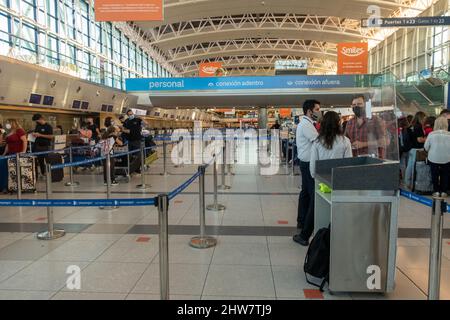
[[306, 134], [43, 134], [366, 135], [133, 128], [90, 125]]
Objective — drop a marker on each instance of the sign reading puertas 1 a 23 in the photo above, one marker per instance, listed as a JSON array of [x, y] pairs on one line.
[[129, 10]]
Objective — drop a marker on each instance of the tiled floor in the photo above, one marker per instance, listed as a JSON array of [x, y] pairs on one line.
[[116, 264]]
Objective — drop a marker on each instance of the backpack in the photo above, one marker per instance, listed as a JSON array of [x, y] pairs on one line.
[[317, 260]]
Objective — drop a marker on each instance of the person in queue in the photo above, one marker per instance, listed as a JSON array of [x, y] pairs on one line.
[[133, 130], [438, 147], [110, 138], [330, 144], [366, 134], [428, 125], [306, 134], [276, 125], [446, 114], [417, 139], [2, 139], [90, 125], [16, 142], [43, 134]]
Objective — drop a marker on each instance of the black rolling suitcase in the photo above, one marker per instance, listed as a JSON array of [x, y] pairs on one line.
[[54, 159], [27, 171]]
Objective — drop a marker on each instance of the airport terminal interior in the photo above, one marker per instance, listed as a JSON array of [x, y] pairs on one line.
[[224, 150]]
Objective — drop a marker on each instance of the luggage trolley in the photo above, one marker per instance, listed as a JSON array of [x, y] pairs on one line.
[[122, 165]]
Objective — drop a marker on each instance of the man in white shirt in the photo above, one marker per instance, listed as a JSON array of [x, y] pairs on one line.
[[306, 134]]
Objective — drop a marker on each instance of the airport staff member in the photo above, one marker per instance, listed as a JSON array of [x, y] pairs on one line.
[[133, 129], [93, 127], [43, 134], [367, 135], [306, 135]]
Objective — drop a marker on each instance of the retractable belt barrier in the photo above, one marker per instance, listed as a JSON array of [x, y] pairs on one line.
[[161, 201], [420, 199]]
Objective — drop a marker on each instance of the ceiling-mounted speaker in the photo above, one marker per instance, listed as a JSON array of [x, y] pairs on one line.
[[113, 97], [53, 84], [97, 93], [78, 89]]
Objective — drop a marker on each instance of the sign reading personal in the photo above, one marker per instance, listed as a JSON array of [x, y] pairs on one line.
[[352, 58], [406, 22], [129, 10]]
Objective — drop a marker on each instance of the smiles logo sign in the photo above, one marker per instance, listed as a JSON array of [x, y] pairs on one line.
[[209, 69], [352, 58], [352, 51]]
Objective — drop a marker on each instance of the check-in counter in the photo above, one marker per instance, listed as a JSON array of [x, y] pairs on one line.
[[362, 212]]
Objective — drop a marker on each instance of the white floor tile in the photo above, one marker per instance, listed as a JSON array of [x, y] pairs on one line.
[[41, 275], [238, 280], [185, 279], [111, 277], [241, 254]]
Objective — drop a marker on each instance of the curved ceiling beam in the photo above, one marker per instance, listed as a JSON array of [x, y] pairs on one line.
[[199, 55], [177, 11], [249, 61], [331, 36]]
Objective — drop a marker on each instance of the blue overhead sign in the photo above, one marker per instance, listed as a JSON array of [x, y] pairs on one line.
[[406, 22], [241, 83]]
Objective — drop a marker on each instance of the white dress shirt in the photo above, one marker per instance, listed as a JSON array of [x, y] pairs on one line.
[[305, 135], [438, 146], [342, 148]]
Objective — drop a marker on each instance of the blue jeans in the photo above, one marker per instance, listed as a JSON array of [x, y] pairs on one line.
[[3, 174], [408, 180]]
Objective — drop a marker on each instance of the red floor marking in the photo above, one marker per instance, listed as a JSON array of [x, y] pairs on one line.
[[448, 243], [282, 222], [41, 219], [143, 239], [313, 294], [178, 201]]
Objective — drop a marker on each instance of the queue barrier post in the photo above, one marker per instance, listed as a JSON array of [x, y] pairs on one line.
[[51, 233], [215, 206], [202, 241], [437, 221], [108, 182], [143, 186], [163, 207], [223, 186], [165, 173], [71, 183]]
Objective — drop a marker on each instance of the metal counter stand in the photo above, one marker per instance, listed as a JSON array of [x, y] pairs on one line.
[[362, 210]]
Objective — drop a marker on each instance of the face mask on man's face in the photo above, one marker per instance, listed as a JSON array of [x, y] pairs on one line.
[[131, 116], [359, 112], [317, 115], [8, 126]]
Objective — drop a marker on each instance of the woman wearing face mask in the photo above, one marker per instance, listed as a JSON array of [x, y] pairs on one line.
[[16, 142]]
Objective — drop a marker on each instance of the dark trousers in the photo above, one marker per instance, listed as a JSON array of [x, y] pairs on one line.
[[112, 169], [135, 158], [440, 176], [41, 159], [306, 197], [3, 174]]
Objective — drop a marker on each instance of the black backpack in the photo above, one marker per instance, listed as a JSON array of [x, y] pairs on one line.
[[317, 260]]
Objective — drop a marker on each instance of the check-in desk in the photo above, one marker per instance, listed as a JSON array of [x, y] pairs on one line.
[[362, 210]]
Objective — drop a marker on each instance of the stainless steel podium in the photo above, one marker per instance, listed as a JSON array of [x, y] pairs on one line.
[[362, 211]]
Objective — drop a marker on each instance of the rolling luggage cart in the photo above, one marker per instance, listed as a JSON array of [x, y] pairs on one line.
[[122, 165]]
